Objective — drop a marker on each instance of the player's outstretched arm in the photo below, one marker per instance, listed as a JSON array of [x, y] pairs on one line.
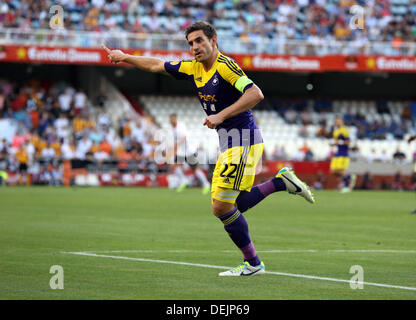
[[248, 100], [150, 64]]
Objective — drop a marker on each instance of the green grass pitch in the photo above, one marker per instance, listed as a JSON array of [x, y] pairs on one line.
[[39, 224]]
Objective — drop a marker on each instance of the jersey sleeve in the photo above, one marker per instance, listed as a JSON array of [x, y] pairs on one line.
[[180, 70], [231, 72]]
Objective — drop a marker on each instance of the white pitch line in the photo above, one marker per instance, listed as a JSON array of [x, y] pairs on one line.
[[375, 251], [224, 267], [143, 251], [263, 251], [147, 260], [338, 251]]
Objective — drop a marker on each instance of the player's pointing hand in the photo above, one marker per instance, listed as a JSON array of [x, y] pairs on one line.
[[115, 56]]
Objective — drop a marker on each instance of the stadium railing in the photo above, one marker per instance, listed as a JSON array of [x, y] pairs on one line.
[[124, 40]]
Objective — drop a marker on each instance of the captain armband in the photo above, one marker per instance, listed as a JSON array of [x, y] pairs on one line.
[[243, 83]]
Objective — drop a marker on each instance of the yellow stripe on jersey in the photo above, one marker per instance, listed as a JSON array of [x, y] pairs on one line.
[[232, 65], [241, 167], [229, 71]]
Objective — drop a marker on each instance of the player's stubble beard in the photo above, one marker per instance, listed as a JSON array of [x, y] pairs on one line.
[[208, 53]]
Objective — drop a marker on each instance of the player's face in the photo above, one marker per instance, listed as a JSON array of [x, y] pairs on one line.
[[201, 47], [173, 121], [338, 122]]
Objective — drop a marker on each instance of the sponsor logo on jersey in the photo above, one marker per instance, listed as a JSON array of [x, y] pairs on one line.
[[207, 97]]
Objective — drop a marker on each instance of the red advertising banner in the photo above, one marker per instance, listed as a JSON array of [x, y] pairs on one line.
[[250, 62], [278, 63], [301, 167], [70, 55], [369, 63]]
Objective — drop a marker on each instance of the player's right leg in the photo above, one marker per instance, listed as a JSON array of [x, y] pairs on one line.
[[223, 197], [237, 228]]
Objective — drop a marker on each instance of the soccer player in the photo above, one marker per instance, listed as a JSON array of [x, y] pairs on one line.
[[226, 95], [340, 161], [409, 140], [185, 151]]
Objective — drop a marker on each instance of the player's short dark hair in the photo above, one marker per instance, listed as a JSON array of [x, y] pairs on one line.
[[206, 27]]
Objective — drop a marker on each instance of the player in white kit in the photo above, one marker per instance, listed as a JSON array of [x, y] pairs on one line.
[[184, 152]]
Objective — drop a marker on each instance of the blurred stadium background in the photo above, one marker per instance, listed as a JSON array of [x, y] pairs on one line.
[[71, 118]]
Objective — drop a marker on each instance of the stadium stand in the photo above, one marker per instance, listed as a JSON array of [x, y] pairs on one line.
[[292, 19], [282, 26], [48, 123], [55, 122], [301, 122], [57, 114], [44, 124]]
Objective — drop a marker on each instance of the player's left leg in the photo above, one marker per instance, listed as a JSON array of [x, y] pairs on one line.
[[248, 199], [285, 180]]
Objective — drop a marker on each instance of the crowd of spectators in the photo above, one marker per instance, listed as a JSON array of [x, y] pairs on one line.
[[61, 126], [58, 122], [320, 113], [310, 20]]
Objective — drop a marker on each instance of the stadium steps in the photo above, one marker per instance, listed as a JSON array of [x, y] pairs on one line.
[[276, 132]]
